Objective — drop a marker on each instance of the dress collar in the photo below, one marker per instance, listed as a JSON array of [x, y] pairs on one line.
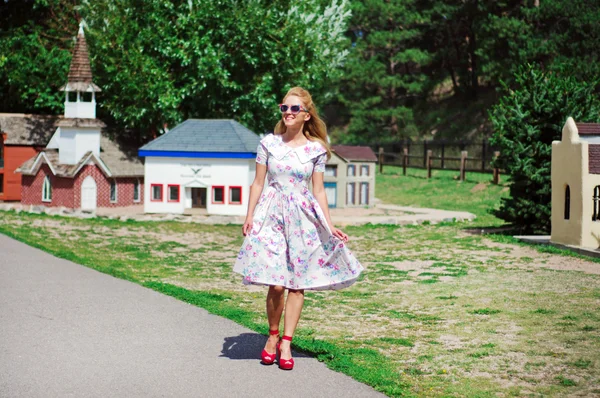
[[275, 145]]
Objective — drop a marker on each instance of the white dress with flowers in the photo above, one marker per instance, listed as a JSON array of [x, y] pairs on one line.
[[290, 243]]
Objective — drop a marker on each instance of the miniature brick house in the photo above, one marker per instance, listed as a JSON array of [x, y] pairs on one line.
[[576, 186], [21, 137], [79, 167], [350, 176]]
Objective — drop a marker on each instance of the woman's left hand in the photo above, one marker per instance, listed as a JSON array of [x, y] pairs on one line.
[[338, 233]]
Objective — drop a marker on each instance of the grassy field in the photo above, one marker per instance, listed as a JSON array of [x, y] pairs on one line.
[[438, 312], [443, 190]]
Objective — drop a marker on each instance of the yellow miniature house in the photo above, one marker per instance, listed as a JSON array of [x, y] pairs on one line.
[[576, 186]]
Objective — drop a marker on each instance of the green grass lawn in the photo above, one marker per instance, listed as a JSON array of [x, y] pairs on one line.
[[438, 312], [443, 190]]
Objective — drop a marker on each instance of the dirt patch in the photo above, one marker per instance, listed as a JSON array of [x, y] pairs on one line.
[[479, 187]]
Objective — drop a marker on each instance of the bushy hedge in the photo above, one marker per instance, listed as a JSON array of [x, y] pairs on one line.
[[528, 117]]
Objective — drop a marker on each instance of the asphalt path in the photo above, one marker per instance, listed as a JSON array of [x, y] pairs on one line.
[[69, 331]]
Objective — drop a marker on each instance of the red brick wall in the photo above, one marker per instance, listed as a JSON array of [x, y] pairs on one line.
[[67, 191]]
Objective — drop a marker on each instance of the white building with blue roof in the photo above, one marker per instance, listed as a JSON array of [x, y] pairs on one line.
[[200, 164]]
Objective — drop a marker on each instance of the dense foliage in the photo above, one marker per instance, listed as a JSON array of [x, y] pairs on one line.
[[387, 71], [159, 62], [526, 120]]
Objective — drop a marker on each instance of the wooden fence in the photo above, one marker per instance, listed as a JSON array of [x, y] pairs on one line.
[[443, 156]]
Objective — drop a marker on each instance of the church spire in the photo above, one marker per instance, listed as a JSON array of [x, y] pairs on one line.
[[80, 99]]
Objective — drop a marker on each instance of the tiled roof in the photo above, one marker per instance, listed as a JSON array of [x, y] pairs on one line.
[[355, 153], [80, 122], [588, 128], [120, 161], [80, 72], [594, 158], [205, 135], [22, 129]]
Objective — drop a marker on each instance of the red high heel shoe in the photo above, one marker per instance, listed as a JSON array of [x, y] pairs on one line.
[[269, 359], [285, 364]]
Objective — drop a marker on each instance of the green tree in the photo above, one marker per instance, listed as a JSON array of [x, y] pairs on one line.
[[529, 116], [163, 61], [384, 72], [36, 38]]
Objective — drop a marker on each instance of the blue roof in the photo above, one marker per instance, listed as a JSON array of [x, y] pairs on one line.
[[204, 136]]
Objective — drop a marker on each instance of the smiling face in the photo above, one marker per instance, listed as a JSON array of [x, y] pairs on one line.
[[290, 120]]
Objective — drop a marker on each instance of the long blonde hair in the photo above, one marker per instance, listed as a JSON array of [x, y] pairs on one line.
[[314, 128]]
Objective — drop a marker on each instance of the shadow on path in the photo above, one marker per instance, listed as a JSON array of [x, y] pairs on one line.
[[247, 346]]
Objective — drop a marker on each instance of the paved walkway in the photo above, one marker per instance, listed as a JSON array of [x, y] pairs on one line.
[[379, 214], [69, 331]]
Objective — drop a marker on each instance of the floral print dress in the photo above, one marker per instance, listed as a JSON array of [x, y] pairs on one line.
[[290, 243]]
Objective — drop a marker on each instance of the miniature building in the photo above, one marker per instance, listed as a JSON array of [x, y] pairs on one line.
[[204, 164], [79, 167], [21, 137], [576, 186], [350, 176]]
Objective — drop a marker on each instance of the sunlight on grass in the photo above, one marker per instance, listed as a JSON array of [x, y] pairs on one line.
[[443, 191], [437, 312]]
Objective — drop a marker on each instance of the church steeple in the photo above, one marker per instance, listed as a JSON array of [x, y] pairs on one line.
[[80, 97]]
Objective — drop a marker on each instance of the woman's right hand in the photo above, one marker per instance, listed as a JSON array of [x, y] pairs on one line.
[[247, 227]]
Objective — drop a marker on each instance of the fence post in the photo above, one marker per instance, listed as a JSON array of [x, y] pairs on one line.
[[428, 162], [483, 147], [496, 172], [463, 165], [404, 160], [424, 153], [381, 160], [443, 147]]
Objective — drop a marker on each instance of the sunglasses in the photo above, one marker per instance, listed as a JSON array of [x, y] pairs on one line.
[[295, 109]]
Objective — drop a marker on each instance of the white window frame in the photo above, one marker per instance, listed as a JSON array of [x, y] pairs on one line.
[[136, 189], [331, 170], [363, 168], [351, 199], [360, 193], [353, 168], [111, 190], [47, 190]]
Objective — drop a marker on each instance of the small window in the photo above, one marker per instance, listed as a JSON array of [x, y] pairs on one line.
[[235, 195], [364, 170], [71, 96], [596, 199], [136, 190], [218, 195], [364, 193], [86, 97], [1, 184], [173, 193], [331, 171], [47, 190], [351, 170], [113, 191], [156, 192], [350, 193]]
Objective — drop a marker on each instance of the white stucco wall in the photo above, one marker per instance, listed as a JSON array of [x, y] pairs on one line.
[[197, 173], [75, 142]]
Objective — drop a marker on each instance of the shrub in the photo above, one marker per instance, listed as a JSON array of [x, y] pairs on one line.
[[528, 117]]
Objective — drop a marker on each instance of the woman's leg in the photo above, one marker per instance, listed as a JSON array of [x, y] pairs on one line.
[[275, 304], [293, 309]]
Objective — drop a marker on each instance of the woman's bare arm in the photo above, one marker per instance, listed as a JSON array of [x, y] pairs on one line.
[[255, 191]]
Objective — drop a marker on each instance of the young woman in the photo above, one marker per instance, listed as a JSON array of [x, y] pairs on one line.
[[291, 243]]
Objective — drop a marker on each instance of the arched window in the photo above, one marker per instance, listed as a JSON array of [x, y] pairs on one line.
[[47, 190], [596, 199], [136, 190], [113, 191]]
